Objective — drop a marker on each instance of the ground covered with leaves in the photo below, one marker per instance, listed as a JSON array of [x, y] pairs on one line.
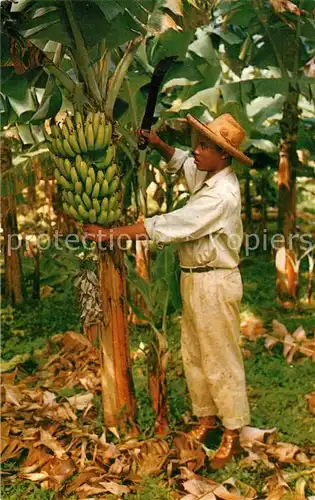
[[53, 443]]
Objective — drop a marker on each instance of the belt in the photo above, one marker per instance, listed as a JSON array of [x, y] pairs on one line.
[[199, 269]]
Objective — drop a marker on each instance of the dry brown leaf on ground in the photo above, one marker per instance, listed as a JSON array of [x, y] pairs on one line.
[[201, 487], [115, 488], [191, 453], [13, 449], [36, 458], [284, 452], [149, 458], [279, 329], [81, 401], [237, 487], [251, 436], [276, 488], [50, 442], [83, 478], [252, 327], [59, 470]]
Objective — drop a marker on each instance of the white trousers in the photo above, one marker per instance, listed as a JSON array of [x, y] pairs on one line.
[[211, 353]]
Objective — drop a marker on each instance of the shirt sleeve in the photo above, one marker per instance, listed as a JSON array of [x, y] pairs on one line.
[[198, 218], [183, 159]]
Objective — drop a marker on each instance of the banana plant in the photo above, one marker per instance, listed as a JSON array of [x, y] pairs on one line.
[[85, 49]]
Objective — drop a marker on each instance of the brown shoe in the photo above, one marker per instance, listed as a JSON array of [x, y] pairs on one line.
[[229, 447], [200, 432]]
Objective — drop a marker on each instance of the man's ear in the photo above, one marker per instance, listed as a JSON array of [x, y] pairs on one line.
[[225, 155]]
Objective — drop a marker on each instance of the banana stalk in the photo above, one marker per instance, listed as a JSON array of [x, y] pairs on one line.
[[82, 55], [119, 75]]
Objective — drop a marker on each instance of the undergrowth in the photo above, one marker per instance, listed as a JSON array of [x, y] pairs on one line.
[[276, 390]]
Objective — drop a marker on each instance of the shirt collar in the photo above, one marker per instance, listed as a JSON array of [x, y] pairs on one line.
[[223, 173]]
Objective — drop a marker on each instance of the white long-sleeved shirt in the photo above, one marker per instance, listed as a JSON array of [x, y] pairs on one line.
[[209, 227]]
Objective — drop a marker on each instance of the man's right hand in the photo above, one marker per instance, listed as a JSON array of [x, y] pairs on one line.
[[152, 137]]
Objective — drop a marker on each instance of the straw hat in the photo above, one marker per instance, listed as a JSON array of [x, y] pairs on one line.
[[225, 132]]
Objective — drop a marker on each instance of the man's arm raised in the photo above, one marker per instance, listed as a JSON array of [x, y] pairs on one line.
[[155, 142]]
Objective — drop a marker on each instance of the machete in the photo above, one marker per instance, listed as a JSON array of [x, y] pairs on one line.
[[157, 77]]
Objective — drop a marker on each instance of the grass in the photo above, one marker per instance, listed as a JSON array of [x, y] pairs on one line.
[[276, 390]]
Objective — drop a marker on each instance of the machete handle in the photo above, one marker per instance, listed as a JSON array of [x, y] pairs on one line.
[[143, 142]]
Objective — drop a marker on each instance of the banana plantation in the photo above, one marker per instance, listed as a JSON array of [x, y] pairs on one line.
[[97, 102]]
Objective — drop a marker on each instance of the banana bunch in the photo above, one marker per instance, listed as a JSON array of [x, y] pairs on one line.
[[83, 156], [75, 137]]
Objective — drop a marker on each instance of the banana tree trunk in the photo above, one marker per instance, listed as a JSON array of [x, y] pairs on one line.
[[117, 389], [11, 250], [288, 163]]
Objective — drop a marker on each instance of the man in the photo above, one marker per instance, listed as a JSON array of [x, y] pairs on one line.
[[209, 230]]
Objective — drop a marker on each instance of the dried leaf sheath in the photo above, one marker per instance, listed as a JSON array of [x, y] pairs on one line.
[[116, 367]]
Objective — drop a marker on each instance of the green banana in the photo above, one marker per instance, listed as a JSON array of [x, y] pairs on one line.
[[55, 131], [88, 185], [67, 166], [114, 185], [53, 147], [78, 160], [102, 218], [61, 167], [65, 131], [65, 196], [96, 190], [87, 200], [57, 174], [96, 121], [89, 137], [107, 134], [74, 175], [118, 213], [67, 185], [74, 143], [92, 216], [80, 131], [84, 213], [110, 172], [110, 153], [83, 171], [88, 120], [100, 176], [60, 147], [78, 200], [70, 125], [112, 203], [78, 120], [68, 149], [104, 188], [96, 205], [73, 212], [66, 207], [82, 140], [104, 205], [111, 217], [70, 197], [99, 139], [91, 174], [78, 187]]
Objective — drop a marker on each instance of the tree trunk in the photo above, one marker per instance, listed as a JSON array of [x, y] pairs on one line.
[[288, 163], [11, 247], [117, 387]]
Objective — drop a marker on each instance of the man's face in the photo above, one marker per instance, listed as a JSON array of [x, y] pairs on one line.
[[208, 156]]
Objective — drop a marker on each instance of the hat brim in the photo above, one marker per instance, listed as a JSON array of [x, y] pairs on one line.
[[219, 140]]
